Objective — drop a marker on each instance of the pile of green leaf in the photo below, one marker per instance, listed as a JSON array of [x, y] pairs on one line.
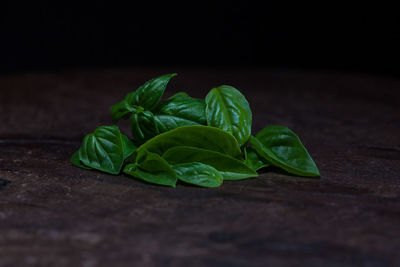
[[196, 141]]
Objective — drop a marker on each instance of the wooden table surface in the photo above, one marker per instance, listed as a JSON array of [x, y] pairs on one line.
[[54, 214]]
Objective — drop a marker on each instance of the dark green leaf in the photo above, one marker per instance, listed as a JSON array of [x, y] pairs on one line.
[[194, 136], [230, 168], [282, 148], [179, 94], [75, 161], [150, 93], [105, 149], [145, 97], [128, 146], [198, 174], [122, 110], [166, 123], [180, 111], [143, 126], [253, 160], [151, 168], [188, 108], [229, 110]]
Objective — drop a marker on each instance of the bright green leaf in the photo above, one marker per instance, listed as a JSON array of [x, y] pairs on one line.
[[150, 93], [198, 174], [145, 97], [194, 136], [282, 148], [128, 146], [179, 94], [151, 168], [143, 126], [254, 160], [230, 168], [180, 111], [189, 108], [105, 149], [229, 110], [75, 161]]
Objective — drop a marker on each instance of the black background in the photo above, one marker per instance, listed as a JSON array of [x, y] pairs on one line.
[[54, 36]]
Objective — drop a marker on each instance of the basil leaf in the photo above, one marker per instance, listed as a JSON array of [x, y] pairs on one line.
[[128, 146], [198, 174], [189, 108], [119, 111], [122, 110], [150, 93], [253, 160], [75, 161], [180, 111], [229, 110], [195, 136], [151, 168], [167, 123], [282, 148], [230, 168], [179, 94], [105, 149], [145, 97], [143, 126]]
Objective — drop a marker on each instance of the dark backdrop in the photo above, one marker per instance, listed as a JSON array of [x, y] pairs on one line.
[[55, 36]]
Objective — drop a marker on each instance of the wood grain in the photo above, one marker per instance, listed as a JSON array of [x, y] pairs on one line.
[[53, 214]]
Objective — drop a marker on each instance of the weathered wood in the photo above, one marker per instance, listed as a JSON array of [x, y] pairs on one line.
[[53, 214]]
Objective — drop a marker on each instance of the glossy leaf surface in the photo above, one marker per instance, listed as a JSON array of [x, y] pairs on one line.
[[180, 111], [151, 168], [189, 108], [282, 148], [150, 93], [229, 110], [179, 94], [128, 146], [230, 168], [167, 123], [194, 136], [143, 126], [198, 174], [254, 160], [105, 149], [145, 97], [75, 161]]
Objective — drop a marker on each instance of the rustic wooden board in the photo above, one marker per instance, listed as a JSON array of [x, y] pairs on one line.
[[53, 214]]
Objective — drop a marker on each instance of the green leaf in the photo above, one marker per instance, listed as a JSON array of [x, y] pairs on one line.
[[105, 149], [150, 93], [282, 148], [229, 110], [198, 174], [254, 160], [194, 136], [167, 123], [122, 110], [230, 168], [189, 108], [180, 111], [151, 168], [179, 94], [143, 126], [128, 146], [75, 161], [145, 97]]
